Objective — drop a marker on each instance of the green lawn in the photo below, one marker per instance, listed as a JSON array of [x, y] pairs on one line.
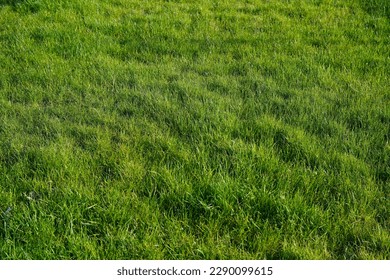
[[195, 129]]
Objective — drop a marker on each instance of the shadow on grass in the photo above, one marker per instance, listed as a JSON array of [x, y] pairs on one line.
[[24, 6], [376, 7], [12, 3]]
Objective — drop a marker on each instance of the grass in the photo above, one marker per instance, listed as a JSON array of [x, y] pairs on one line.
[[194, 129]]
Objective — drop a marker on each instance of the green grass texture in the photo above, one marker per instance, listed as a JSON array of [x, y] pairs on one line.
[[194, 129]]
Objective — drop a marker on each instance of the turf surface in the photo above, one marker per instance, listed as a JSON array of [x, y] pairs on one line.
[[194, 129]]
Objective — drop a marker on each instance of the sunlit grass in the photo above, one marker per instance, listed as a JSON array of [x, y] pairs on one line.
[[194, 129]]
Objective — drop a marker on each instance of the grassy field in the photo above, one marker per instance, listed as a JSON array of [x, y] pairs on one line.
[[195, 129]]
